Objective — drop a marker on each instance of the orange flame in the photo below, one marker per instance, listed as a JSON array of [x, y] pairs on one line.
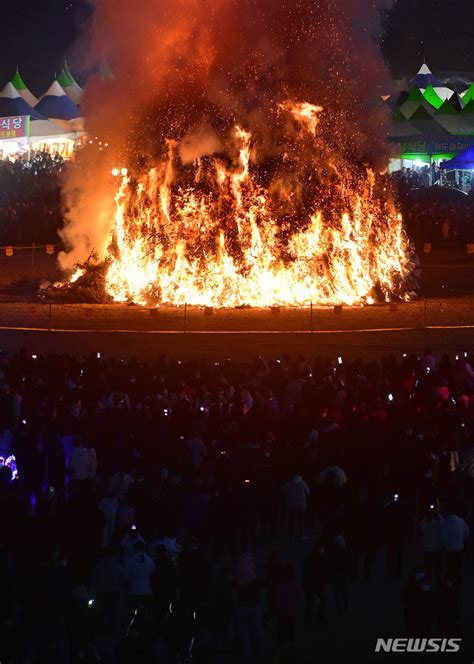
[[223, 246], [304, 112]]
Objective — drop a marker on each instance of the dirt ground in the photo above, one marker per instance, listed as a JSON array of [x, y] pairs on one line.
[[444, 321], [369, 332]]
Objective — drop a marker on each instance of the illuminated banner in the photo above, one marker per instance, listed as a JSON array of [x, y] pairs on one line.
[[64, 147], [15, 127], [434, 146]]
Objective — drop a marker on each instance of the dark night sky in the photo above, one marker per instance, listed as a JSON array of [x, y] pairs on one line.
[[38, 34], [442, 31]]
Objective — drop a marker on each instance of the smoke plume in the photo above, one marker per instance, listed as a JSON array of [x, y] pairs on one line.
[[187, 70]]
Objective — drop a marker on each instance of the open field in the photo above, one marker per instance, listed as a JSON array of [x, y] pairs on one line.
[[446, 325]]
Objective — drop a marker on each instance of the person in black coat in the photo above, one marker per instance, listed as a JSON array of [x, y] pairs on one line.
[[315, 582]]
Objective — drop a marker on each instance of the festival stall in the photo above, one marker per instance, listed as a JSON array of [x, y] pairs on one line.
[[52, 124], [23, 129], [431, 123], [461, 167], [462, 162]]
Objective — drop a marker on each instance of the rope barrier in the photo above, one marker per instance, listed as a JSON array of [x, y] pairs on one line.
[[378, 330], [10, 249]]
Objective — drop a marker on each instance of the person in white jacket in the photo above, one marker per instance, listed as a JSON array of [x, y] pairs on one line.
[[92, 469], [456, 532], [79, 461], [295, 494], [140, 571], [131, 539]]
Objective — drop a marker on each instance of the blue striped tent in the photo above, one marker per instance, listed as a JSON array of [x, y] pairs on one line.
[[11, 104], [55, 104]]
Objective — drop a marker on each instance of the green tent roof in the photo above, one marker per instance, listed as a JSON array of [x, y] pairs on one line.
[[421, 114], [456, 102], [68, 73], [446, 108], [18, 82], [469, 94], [398, 116], [432, 97], [64, 79], [415, 94], [20, 86], [469, 108]]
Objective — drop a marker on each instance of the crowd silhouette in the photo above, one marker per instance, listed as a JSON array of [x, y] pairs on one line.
[[219, 511], [30, 199]]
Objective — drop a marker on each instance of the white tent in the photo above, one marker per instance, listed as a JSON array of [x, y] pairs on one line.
[[12, 104], [41, 129], [56, 105], [425, 77], [74, 92]]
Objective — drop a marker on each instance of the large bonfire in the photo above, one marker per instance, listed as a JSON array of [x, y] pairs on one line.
[[223, 239], [240, 190]]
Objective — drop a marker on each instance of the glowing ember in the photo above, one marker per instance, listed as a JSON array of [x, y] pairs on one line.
[[223, 237], [79, 272]]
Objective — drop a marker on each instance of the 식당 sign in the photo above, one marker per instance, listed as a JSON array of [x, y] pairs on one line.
[[15, 127]]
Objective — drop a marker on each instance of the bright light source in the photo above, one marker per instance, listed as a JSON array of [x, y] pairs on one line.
[[124, 171], [115, 172], [418, 163]]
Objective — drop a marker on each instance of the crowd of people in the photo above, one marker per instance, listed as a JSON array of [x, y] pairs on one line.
[[435, 214], [198, 511], [407, 178], [30, 201], [442, 224]]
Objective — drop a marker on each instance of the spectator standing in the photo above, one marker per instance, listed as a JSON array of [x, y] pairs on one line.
[[315, 582], [197, 449], [249, 616], [108, 581], [338, 566], [433, 537], [79, 468], [456, 532], [295, 494], [140, 569], [287, 597], [418, 602]]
